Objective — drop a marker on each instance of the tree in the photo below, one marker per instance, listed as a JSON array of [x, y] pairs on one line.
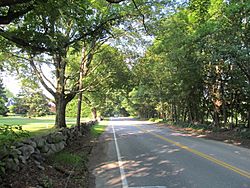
[[3, 99], [51, 28], [107, 80], [61, 26], [31, 101], [197, 67], [12, 10]]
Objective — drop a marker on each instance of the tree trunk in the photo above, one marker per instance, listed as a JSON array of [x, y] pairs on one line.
[[60, 97], [216, 117], [79, 109], [60, 111], [79, 105], [94, 113], [248, 118]]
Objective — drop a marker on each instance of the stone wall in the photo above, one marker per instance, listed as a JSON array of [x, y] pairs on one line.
[[15, 156]]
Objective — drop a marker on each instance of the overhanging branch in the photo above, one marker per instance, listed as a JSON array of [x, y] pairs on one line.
[[12, 2], [41, 78], [142, 15], [115, 1]]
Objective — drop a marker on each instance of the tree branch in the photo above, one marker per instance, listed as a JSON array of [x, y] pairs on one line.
[[12, 2], [13, 15], [24, 43], [41, 78], [142, 15], [115, 1], [46, 79]]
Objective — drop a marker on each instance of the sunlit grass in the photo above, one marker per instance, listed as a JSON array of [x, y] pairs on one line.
[[35, 126], [99, 128]]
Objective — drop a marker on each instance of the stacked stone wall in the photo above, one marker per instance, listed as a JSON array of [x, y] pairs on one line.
[[12, 158]]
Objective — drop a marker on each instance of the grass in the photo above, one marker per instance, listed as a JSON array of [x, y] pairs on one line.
[[35, 126], [156, 120], [99, 128], [66, 158]]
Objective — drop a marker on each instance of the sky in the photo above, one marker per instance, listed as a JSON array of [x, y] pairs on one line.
[[11, 83]]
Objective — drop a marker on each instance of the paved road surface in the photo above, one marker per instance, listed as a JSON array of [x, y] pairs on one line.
[[137, 154]]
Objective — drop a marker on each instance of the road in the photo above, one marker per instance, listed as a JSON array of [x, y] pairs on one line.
[[138, 154]]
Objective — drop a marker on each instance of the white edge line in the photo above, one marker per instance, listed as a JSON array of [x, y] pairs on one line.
[[122, 172]]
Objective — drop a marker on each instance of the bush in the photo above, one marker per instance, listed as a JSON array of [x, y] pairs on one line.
[[10, 133]]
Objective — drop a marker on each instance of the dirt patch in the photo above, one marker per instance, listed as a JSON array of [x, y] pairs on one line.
[[227, 136], [52, 174]]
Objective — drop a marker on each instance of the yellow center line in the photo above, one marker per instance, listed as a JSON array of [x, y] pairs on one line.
[[203, 155]]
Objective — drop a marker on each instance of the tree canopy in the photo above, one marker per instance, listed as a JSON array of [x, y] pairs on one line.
[[195, 67]]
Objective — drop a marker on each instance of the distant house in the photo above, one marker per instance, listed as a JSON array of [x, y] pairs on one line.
[[10, 102]]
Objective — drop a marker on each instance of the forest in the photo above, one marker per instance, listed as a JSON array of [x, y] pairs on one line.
[[180, 61]]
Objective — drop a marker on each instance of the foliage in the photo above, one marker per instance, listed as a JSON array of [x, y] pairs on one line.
[[10, 133], [67, 158], [47, 182], [98, 129], [3, 100], [32, 104], [107, 82], [50, 31], [196, 71], [72, 106]]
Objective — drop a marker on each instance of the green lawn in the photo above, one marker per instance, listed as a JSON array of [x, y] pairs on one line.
[[35, 126]]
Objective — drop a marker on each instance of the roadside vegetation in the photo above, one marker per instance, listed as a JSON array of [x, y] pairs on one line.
[[15, 128], [99, 128]]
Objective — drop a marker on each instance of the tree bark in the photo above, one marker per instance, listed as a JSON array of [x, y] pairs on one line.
[[94, 113], [248, 118], [60, 111], [60, 97], [79, 104]]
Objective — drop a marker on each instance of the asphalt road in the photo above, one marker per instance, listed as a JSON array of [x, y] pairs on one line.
[[137, 154]]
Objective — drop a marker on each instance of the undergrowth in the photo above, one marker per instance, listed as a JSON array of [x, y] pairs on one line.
[[12, 133]]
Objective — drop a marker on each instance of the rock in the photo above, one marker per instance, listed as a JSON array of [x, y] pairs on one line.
[[37, 163], [4, 152], [56, 138], [27, 150], [49, 152], [30, 142], [41, 167], [44, 149], [12, 164], [14, 153], [22, 159], [52, 147], [19, 144], [16, 160], [37, 157], [60, 146], [40, 142]]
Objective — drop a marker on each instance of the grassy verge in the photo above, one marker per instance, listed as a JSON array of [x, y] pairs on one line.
[[99, 128], [68, 159], [157, 120]]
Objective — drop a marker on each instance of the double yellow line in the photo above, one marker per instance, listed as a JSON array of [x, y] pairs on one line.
[[203, 155]]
